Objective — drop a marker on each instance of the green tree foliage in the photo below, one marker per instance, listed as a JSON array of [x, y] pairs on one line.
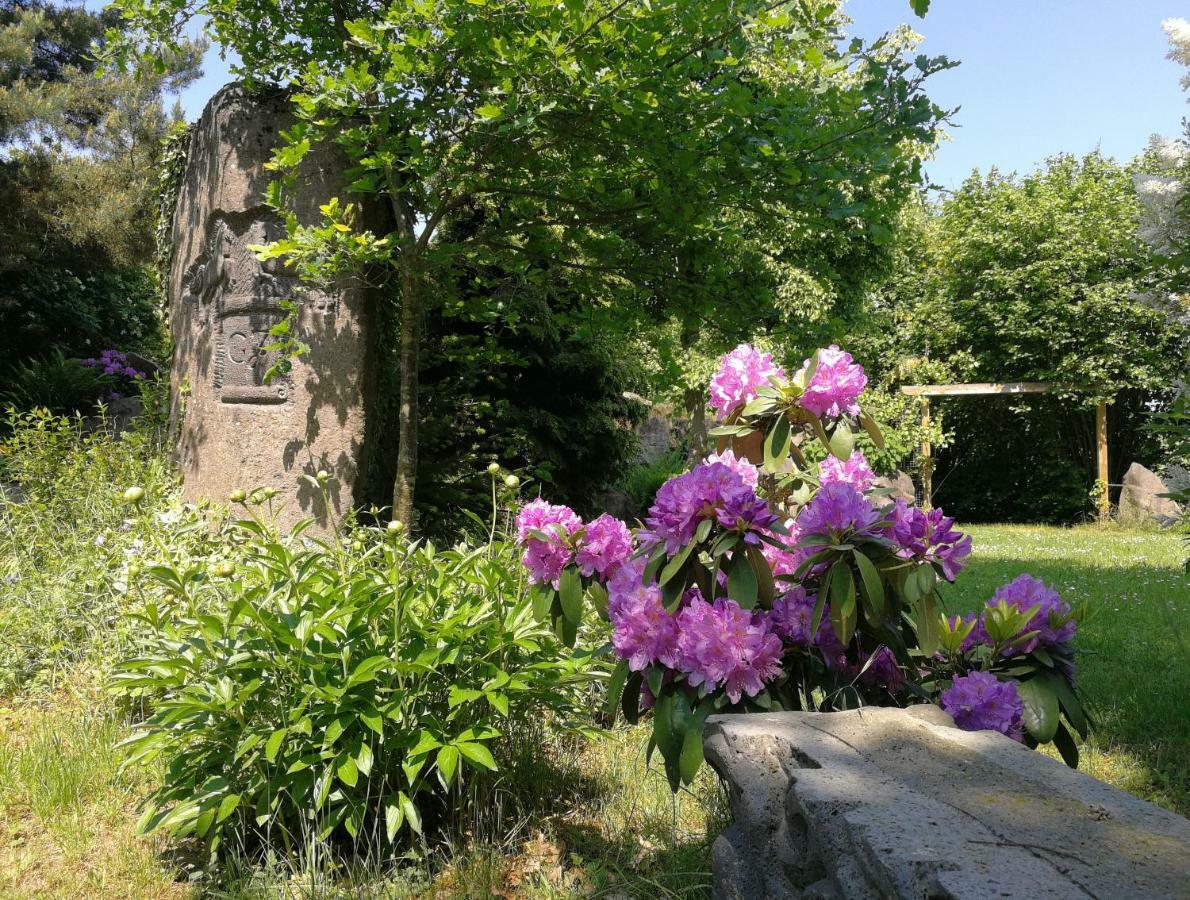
[[628, 142], [1035, 278], [78, 149]]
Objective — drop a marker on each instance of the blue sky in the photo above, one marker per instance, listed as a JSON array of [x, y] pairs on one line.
[[1038, 77]]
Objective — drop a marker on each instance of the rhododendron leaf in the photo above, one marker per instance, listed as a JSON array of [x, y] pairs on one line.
[[675, 565], [872, 429], [843, 601], [655, 678], [927, 625], [820, 604], [873, 584], [615, 690], [1041, 709], [842, 441], [776, 444], [741, 581], [1066, 746], [704, 529], [654, 565], [927, 578], [1072, 707], [820, 433], [598, 594], [630, 701], [667, 742], [566, 630], [570, 591], [726, 542], [690, 759], [731, 430], [765, 588], [759, 406]]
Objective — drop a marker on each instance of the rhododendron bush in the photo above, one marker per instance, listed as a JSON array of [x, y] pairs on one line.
[[761, 582]]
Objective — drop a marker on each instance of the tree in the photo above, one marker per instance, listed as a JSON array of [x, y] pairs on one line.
[[615, 139], [78, 150]]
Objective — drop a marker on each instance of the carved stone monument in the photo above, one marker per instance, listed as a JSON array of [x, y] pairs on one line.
[[235, 428]]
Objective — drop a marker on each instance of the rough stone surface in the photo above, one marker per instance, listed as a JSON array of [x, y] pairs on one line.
[[900, 803], [234, 430], [900, 486], [1139, 498]]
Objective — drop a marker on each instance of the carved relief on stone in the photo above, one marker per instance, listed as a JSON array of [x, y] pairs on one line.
[[239, 298]]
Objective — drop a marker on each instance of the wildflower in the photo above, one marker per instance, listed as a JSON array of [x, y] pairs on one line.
[[605, 545], [546, 557], [929, 537], [722, 645], [981, 702], [855, 471], [742, 372], [643, 632], [835, 385], [837, 509], [512, 482]]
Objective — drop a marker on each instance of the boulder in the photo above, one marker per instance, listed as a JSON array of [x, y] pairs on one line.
[[1140, 500], [900, 803], [899, 485], [237, 429]]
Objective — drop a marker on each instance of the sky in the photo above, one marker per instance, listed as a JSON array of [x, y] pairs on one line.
[[1037, 77]]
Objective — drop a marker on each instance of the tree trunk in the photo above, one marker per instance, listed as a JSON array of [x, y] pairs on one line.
[[410, 345]]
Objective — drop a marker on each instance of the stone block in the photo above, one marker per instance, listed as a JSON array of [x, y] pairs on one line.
[[235, 430], [900, 803], [1140, 498]]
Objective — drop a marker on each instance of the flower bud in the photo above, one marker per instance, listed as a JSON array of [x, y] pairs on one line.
[[134, 495], [512, 482], [133, 570], [270, 493], [357, 546], [225, 569], [493, 468], [239, 495], [323, 475], [396, 526]]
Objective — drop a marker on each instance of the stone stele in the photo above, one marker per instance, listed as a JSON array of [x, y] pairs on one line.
[[900, 803], [233, 429]]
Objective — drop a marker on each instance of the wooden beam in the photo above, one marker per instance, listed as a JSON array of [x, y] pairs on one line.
[[974, 390], [927, 462], [1101, 460]]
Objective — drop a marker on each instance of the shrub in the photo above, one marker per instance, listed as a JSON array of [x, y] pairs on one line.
[[307, 691], [772, 583]]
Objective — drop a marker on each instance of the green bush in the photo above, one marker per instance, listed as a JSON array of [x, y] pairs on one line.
[[66, 541], [355, 690]]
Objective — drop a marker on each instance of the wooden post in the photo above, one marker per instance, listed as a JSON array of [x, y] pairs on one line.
[[1101, 459], [927, 464]]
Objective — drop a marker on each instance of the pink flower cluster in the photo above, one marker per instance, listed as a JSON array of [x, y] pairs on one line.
[[748, 473], [709, 490], [741, 373], [715, 645], [1053, 623], [855, 471], [835, 385], [929, 537], [838, 509], [554, 536]]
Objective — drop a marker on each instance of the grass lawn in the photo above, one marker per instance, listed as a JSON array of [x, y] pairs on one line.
[[609, 829]]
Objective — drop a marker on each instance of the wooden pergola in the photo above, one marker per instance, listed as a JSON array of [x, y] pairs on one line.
[[926, 391]]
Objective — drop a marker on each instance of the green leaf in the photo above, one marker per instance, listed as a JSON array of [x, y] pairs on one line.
[[872, 429], [227, 806], [448, 763], [1066, 745], [363, 759], [393, 818], [920, 7], [571, 593], [543, 600], [479, 755], [1041, 709], [675, 564], [615, 689], [412, 816], [843, 602], [630, 701], [776, 444], [842, 441], [489, 111], [928, 624], [348, 772], [273, 746], [873, 584], [742, 586]]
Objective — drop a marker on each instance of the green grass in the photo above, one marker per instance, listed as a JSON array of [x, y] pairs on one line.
[[1134, 659], [594, 822]]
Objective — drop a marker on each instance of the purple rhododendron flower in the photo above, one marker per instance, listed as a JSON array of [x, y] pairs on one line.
[[791, 614], [642, 631], [882, 671], [605, 545], [1024, 592], [785, 559], [836, 384], [545, 559], [929, 537], [709, 489], [838, 508], [981, 702], [855, 471], [741, 373], [742, 467], [721, 644]]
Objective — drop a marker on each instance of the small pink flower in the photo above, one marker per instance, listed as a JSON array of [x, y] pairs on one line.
[[742, 372], [835, 386]]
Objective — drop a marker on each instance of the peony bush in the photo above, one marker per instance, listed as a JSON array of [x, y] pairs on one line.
[[761, 582]]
